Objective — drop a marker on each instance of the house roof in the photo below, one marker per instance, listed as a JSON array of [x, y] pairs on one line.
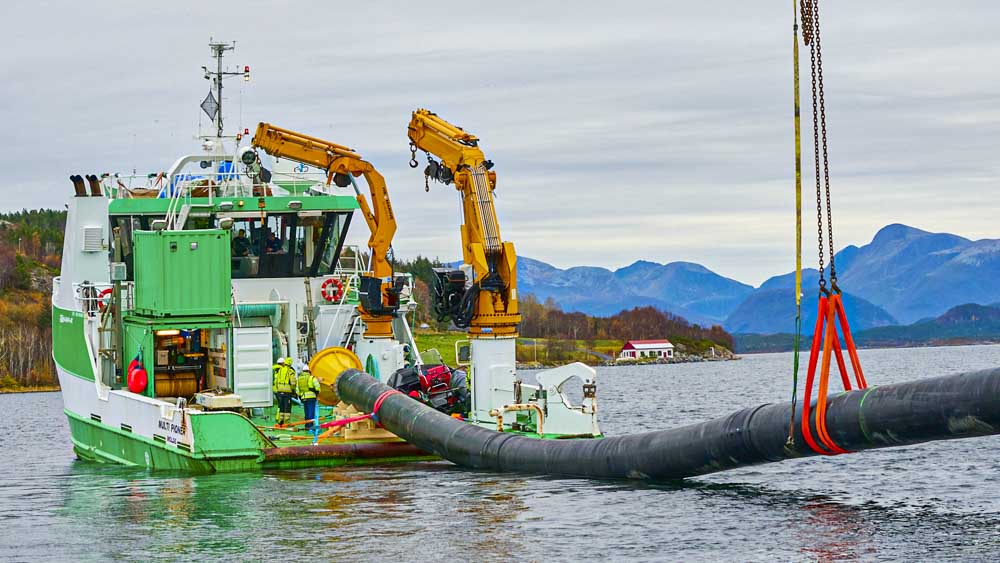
[[646, 344]]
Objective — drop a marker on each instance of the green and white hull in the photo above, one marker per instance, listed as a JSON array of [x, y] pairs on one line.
[[120, 427], [153, 429]]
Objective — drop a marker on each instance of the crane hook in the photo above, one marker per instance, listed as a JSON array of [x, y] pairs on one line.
[[413, 156]]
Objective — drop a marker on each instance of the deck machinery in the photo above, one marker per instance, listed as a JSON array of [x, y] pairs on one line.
[[481, 295]]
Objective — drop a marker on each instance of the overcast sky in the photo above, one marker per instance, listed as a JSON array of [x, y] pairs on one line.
[[620, 131]]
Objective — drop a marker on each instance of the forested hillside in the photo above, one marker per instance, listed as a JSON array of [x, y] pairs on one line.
[[30, 248], [547, 320]]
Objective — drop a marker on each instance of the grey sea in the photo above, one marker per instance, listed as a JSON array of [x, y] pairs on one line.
[[931, 502]]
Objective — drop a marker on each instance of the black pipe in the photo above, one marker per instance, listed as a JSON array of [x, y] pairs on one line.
[[939, 408]]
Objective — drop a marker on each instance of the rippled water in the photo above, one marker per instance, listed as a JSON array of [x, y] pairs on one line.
[[930, 502]]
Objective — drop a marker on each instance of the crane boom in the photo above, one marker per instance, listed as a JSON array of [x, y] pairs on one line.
[[493, 260], [379, 296]]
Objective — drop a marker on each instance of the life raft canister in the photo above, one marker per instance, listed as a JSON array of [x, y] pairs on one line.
[[334, 294]]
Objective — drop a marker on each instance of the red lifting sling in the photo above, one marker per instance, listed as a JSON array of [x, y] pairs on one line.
[[831, 311]]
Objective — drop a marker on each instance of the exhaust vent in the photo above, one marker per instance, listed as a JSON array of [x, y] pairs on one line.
[[92, 240], [78, 186]]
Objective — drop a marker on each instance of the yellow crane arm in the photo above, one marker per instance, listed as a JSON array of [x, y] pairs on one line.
[[451, 144], [341, 164], [494, 261]]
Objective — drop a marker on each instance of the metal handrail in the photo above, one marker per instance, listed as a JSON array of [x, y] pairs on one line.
[[343, 298], [89, 304]]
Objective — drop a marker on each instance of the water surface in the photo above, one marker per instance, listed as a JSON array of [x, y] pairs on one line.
[[930, 502]]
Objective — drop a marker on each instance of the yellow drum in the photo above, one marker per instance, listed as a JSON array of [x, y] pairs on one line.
[[327, 365]]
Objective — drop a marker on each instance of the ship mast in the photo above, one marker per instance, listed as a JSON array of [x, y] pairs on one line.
[[218, 51]]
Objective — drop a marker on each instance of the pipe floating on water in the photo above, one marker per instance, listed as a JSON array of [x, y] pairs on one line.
[[940, 408]]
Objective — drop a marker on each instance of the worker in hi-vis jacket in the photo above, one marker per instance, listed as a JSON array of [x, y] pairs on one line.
[[284, 387], [307, 388]]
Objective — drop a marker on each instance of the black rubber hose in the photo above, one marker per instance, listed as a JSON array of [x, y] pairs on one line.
[[939, 408]]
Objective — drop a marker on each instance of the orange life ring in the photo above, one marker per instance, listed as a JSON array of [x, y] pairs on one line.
[[100, 298], [336, 294]]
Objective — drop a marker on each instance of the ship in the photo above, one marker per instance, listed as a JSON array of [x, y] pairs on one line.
[[182, 290]]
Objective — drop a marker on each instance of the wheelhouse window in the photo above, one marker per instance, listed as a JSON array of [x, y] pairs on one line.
[[287, 244]]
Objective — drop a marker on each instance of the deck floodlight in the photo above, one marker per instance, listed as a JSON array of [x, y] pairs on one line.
[[226, 223], [168, 332], [225, 206], [248, 156], [158, 224], [295, 204]]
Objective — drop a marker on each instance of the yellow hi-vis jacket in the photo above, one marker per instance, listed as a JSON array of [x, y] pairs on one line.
[[284, 380], [307, 385]]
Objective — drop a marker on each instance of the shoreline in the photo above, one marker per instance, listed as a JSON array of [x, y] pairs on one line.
[[686, 360], [35, 389], [805, 347]]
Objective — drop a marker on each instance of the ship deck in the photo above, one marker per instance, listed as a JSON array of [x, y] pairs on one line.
[[359, 443], [296, 433]]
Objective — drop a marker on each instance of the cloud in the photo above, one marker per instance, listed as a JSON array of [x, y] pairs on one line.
[[658, 131]]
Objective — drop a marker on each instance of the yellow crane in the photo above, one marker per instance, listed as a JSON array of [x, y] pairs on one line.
[[379, 295], [488, 308]]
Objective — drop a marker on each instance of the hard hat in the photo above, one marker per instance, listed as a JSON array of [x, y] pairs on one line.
[[281, 360], [288, 361]]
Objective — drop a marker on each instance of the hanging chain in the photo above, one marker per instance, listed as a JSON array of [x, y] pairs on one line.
[[427, 176], [811, 37], [414, 164], [807, 25], [826, 158], [807, 37]]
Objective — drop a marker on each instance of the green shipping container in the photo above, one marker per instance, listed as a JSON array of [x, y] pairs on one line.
[[182, 273]]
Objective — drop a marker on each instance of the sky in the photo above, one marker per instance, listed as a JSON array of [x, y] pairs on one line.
[[658, 130]]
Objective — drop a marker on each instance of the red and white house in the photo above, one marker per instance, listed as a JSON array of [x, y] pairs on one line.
[[637, 349]]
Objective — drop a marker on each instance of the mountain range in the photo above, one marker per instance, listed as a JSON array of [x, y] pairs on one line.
[[969, 322], [683, 288], [902, 276], [964, 324]]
